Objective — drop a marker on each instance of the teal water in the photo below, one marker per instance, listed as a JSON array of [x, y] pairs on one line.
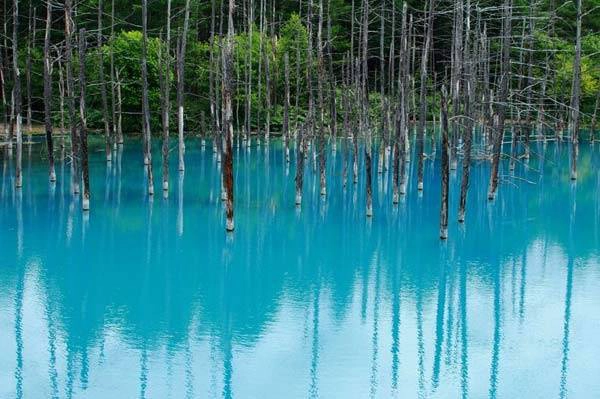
[[152, 299]]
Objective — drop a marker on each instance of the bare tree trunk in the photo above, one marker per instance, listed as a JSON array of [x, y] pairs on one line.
[[469, 82], [248, 110], [299, 166], [180, 85], [366, 128], [228, 119], [113, 99], [211, 81], [61, 89], [332, 94], [321, 72], [166, 101], [575, 97], [445, 168], [502, 98], [457, 66], [75, 156], [85, 203], [17, 95], [119, 108], [30, 44], [267, 62], [286, 109], [423, 96], [103, 95], [48, 93], [145, 102]]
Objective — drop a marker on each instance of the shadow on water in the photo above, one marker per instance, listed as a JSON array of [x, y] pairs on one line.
[[150, 298]]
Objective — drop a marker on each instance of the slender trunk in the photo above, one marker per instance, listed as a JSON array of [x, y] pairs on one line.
[[180, 85], [575, 97], [299, 166], [457, 66], [211, 79], [30, 44], [103, 95], [469, 82], [332, 100], [228, 119], [48, 93], [423, 95], [445, 168], [321, 71], [286, 109], [248, 110], [166, 100], [85, 202], [113, 100], [61, 90], [502, 98], [75, 156], [145, 102], [17, 95], [366, 128]]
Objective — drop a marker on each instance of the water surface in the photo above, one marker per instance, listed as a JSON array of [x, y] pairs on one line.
[[150, 298]]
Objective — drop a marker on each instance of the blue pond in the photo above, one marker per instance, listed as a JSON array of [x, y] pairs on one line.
[[150, 298]]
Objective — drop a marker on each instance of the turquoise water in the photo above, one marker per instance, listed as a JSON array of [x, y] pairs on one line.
[[152, 299]]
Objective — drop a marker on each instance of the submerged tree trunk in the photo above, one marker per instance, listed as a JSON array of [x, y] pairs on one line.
[[502, 98], [286, 109], [17, 96], [103, 95], [366, 128], [85, 203], [69, 28], [180, 86], [299, 165], [575, 97], [322, 152], [469, 82], [423, 96], [166, 101], [145, 102], [30, 45], [228, 119], [445, 168], [48, 93]]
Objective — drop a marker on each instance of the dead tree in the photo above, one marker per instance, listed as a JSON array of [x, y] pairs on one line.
[[103, 95], [180, 85], [165, 81], [299, 165], [575, 96], [423, 95], [286, 109], [445, 168], [366, 128], [17, 95], [85, 203], [113, 100], [502, 97], [70, 92], [469, 82], [48, 93], [457, 52], [332, 101], [145, 102], [248, 104], [227, 60], [30, 43], [322, 152]]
